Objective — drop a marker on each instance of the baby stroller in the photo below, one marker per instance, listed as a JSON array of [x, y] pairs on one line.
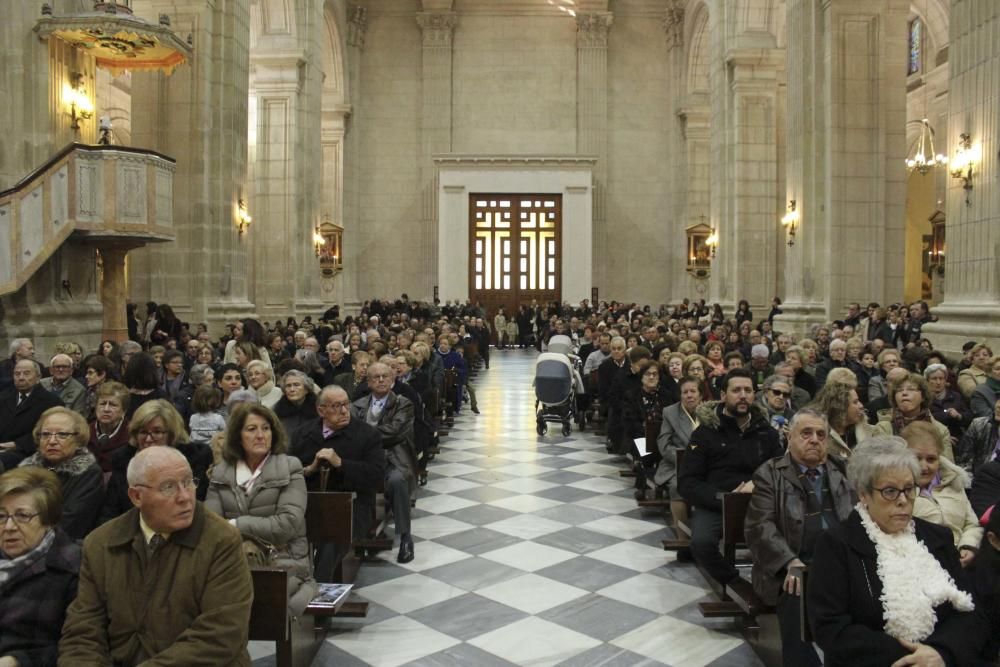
[[554, 391]]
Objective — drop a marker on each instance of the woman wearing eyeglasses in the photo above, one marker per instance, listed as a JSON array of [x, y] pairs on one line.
[[39, 566], [883, 585], [61, 435], [846, 415], [260, 490], [154, 423]]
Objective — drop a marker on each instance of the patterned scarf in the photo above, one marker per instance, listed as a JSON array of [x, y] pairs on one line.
[[10, 568], [899, 422]]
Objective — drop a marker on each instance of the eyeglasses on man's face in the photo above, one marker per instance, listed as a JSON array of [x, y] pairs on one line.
[[778, 392], [342, 405], [171, 488]]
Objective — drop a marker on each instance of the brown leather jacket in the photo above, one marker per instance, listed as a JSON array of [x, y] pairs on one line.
[[775, 518]]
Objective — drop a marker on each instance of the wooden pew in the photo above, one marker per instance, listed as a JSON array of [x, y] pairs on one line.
[[652, 428], [739, 598], [681, 529], [330, 519]]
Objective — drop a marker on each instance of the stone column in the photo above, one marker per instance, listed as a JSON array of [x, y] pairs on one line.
[[845, 155], [354, 235], [114, 292], [592, 123], [971, 306], [438, 28], [747, 265], [198, 115]]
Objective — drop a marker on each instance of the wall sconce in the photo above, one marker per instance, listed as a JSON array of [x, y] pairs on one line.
[[244, 218], [966, 155], [318, 240], [80, 106], [712, 242], [791, 220]]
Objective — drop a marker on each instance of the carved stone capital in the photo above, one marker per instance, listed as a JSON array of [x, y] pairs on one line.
[[673, 24], [592, 30], [438, 27], [357, 25]]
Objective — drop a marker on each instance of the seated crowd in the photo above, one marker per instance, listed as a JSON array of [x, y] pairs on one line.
[[105, 457], [869, 458], [863, 451]]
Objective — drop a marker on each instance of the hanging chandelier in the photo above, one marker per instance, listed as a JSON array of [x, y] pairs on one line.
[[923, 157]]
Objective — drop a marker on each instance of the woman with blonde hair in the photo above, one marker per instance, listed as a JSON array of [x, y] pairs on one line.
[[156, 423]]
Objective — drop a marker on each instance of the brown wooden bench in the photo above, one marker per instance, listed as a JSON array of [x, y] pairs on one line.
[[652, 428], [330, 519], [739, 598], [681, 529]]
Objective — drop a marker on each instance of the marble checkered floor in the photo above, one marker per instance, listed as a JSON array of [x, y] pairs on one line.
[[529, 551]]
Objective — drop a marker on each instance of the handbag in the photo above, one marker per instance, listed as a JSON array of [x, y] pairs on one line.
[[258, 552]]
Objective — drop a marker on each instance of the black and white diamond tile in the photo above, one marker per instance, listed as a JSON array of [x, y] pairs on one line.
[[529, 551]]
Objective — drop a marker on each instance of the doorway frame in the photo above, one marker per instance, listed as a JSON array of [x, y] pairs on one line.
[[462, 175]]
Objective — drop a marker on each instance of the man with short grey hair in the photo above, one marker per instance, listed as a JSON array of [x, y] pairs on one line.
[[336, 361], [62, 384], [167, 553], [392, 415], [796, 497], [20, 348], [837, 359], [20, 408]]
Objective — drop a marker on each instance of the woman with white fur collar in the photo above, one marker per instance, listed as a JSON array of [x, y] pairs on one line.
[[885, 588]]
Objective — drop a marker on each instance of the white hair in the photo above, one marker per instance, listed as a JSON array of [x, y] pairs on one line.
[[150, 459], [16, 345]]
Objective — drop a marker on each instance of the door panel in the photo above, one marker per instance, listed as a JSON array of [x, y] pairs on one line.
[[515, 250]]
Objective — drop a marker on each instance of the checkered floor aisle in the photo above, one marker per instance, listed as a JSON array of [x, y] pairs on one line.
[[530, 551]]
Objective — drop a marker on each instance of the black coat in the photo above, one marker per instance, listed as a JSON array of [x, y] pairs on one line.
[[17, 421], [720, 456], [845, 609], [985, 487], [116, 500], [359, 447], [33, 605], [82, 483], [293, 417]]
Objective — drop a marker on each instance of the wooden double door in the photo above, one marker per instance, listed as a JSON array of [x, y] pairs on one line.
[[515, 250]]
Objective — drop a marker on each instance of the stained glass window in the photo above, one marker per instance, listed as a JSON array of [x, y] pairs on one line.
[[915, 63]]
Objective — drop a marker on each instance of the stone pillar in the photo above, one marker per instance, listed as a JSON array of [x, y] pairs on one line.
[[845, 155], [438, 28], [198, 115], [286, 205], [592, 123], [971, 306], [114, 292], [354, 235], [746, 266]]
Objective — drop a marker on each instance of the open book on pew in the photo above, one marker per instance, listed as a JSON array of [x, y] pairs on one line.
[[330, 595], [640, 444]]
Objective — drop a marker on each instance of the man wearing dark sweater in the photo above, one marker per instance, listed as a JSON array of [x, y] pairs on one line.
[[733, 439]]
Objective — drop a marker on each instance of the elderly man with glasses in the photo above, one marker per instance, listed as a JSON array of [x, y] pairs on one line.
[[347, 455], [62, 384], [392, 415], [166, 582]]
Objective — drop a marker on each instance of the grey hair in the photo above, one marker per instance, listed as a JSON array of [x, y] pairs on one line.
[[836, 342], [149, 459], [131, 347], [243, 396], [776, 379], [38, 366], [306, 380], [268, 371], [811, 413], [333, 388], [16, 344], [309, 359], [876, 456], [197, 373], [934, 368], [781, 365]]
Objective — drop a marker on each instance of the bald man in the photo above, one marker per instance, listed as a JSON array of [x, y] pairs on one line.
[[167, 554]]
